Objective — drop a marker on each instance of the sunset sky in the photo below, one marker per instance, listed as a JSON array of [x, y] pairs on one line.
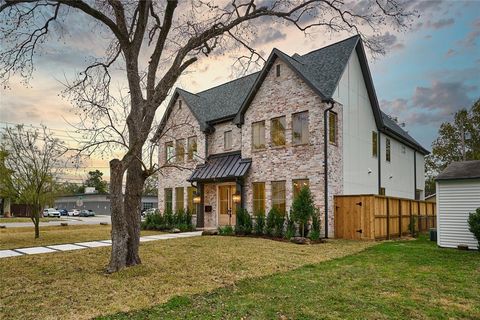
[[427, 73]]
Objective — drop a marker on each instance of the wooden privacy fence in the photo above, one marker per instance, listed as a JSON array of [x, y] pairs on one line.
[[374, 217]]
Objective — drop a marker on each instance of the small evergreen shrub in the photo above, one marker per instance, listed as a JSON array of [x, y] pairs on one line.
[[291, 229], [303, 208], [315, 231], [180, 220], [259, 223], [474, 225], [244, 222], [226, 231], [270, 223], [279, 224]]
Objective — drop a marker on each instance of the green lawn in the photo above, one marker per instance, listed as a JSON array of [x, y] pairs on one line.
[[22, 219], [394, 280]]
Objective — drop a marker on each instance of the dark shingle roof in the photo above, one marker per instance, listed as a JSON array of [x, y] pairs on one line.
[[461, 170], [221, 167], [321, 69]]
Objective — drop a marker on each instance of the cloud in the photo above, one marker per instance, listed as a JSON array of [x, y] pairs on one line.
[[471, 38], [389, 41], [269, 35], [394, 107], [441, 23], [450, 53]]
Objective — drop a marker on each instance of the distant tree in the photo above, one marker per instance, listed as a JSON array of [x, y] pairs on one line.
[[458, 140], [303, 208], [29, 166], [95, 180], [150, 187], [70, 188]]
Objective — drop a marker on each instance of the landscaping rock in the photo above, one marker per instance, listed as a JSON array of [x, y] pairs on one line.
[[175, 230], [210, 232], [300, 240], [2, 226], [103, 223], [64, 224]]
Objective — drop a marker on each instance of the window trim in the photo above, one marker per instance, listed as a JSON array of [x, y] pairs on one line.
[[284, 132], [173, 156], [308, 128]]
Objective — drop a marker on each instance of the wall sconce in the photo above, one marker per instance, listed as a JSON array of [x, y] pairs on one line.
[[237, 198], [197, 199], [369, 171]]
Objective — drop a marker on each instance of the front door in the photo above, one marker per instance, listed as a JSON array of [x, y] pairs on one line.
[[226, 207]]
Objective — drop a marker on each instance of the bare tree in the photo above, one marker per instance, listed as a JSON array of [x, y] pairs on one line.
[[155, 42], [29, 166]]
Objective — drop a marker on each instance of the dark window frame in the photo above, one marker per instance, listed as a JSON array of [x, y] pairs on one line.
[[374, 144], [335, 127], [277, 70], [388, 150]]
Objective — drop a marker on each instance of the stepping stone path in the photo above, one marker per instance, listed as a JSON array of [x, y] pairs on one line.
[[89, 244]]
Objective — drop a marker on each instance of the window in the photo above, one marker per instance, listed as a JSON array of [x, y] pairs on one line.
[[191, 207], [168, 199], [258, 135], [277, 131], [258, 197], [148, 205], [179, 199], [298, 184], [192, 147], [278, 196], [169, 154], [374, 144], [179, 104], [278, 70], [382, 191], [300, 127], [418, 194], [332, 127], [387, 150], [180, 150], [227, 140]]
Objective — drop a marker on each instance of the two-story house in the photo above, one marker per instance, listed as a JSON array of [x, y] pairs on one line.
[[311, 119]]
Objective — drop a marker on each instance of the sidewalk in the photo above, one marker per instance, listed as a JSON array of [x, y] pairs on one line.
[[90, 244]]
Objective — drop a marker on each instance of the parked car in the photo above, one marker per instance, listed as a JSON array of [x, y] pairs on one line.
[[63, 212], [87, 213], [51, 212], [74, 212]]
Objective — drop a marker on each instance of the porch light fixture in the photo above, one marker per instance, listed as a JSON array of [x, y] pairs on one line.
[[236, 198], [197, 199]]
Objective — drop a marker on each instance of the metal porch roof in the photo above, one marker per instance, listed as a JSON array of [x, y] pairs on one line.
[[221, 167]]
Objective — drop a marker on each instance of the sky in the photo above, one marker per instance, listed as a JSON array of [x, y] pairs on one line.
[[428, 72]]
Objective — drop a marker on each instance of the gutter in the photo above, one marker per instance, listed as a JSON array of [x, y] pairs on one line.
[[415, 175], [325, 161]]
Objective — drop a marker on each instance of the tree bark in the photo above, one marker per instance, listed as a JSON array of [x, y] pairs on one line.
[[133, 202], [118, 259]]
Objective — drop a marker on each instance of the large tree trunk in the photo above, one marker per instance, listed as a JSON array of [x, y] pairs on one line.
[[133, 201], [118, 259]]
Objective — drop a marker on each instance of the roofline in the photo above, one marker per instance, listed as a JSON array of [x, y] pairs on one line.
[[409, 143], [458, 178]]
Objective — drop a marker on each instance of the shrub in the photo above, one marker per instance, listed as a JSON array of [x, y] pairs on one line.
[[180, 220], [259, 223], [270, 223], [474, 225], [225, 231], [169, 218], [303, 208], [315, 232], [244, 222], [291, 229], [279, 224], [154, 221]]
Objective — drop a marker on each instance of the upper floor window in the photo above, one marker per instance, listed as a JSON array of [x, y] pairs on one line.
[[227, 140], [388, 155], [180, 150], [332, 127], [258, 135], [169, 153], [192, 147], [374, 144], [179, 104], [300, 127], [277, 131], [278, 70]]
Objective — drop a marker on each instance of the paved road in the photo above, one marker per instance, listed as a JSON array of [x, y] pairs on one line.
[[70, 220]]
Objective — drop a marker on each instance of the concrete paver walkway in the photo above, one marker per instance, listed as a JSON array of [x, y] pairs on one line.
[[89, 244]]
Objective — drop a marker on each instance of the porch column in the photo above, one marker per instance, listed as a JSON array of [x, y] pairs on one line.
[[201, 206]]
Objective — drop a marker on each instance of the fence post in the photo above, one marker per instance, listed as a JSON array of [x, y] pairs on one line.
[[411, 220], [388, 219]]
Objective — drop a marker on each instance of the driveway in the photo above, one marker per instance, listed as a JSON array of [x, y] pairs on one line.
[[70, 220]]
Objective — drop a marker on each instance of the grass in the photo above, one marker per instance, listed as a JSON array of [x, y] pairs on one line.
[[21, 219], [13, 238], [394, 280], [73, 285]]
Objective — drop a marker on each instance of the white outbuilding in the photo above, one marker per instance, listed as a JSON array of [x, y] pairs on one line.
[[458, 194]]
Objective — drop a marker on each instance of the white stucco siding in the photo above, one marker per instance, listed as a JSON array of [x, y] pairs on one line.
[[360, 167], [455, 200], [421, 174]]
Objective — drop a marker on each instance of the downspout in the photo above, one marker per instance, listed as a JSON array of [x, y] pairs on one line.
[[415, 175], [325, 162], [379, 161]]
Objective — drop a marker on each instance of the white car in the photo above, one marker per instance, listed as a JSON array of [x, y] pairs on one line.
[[74, 212], [51, 212]]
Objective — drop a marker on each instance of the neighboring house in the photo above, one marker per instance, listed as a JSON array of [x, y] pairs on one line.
[[100, 203], [262, 137], [458, 194]]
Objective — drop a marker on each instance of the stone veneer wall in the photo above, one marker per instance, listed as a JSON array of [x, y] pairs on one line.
[[180, 125], [283, 96], [216, 139]]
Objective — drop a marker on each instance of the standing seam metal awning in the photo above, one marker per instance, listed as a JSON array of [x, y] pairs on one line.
[[221, 167]]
